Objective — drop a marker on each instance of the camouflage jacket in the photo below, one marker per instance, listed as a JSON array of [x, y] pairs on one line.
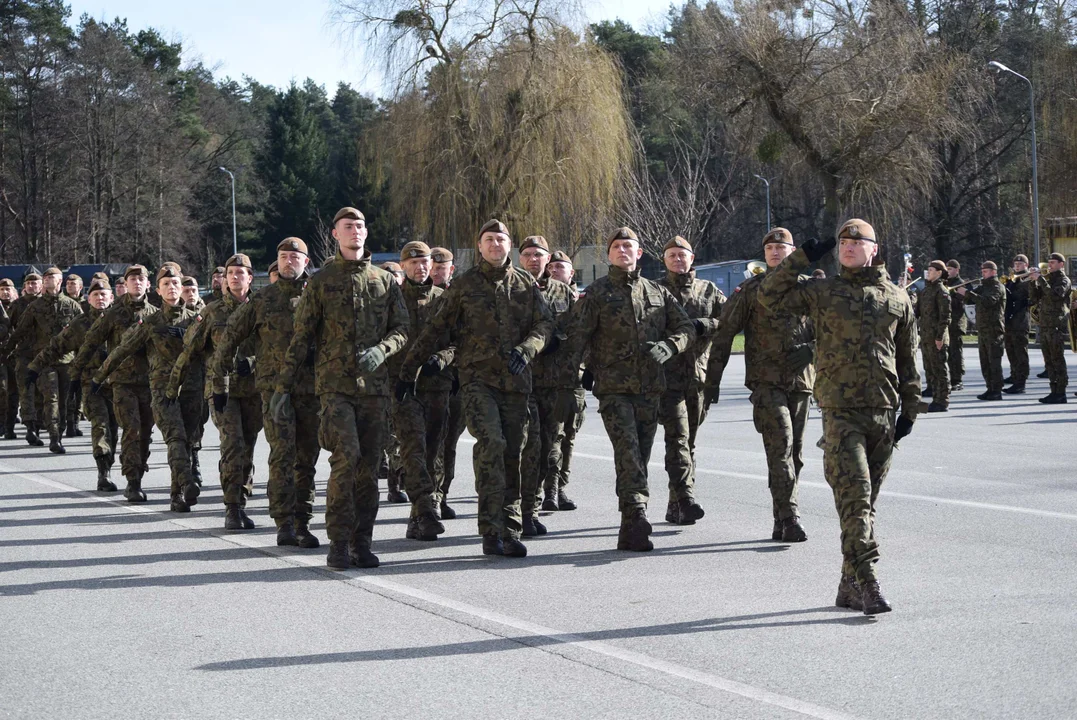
[[703, 301], [107, 333], [616, 318], [958, 320], [70, 339], [348, 307], [43, 320], [933, 310], [865, 334], [990, 302], [1052, 294], [1017, 319], [423, 301], [488, 311], [5, 321], [152, 336], [769, 336], [198, 305], [202, 339], [15, 313], [551, 369], [268, 319]]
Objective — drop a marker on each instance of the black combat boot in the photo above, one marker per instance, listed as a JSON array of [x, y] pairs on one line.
[[872, 598], [133, 492], [73, 429], [989, 395], [690, 511], [361, 555], [1007, 380], [179, 505], [196, 470], [412, 533], [55, 446], [1044, 375], [936, 406], [447, 513], [793, 531], [492, 545], [1055, 399], [232, 520], [849, 594], [9, 434], [635, 532], [338, 558], [191, 491], [104, 471], [549, 503], [564, 502], [957, 386], [532, 526], [776, 533], [1015, 389], [512, 547], [286, 533], [303, 535], [673, 512], [31, 435], [428, 527], [927, 392], [248, 524], [396, 495]]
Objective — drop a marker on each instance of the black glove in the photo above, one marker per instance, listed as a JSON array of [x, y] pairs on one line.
[[404, 389], [800, 357], [517, 362], [700, 328], [430, 368], [587, 381], [176, 332], [551, 347], [76, 385], [243, 368], [817, 249], [903, 428], [710, 396], [455, 385], [219, 401], [31, 377], [95, 387]]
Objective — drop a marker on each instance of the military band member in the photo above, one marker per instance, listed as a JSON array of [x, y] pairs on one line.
[[933, 311], [959, 325], [990, 301], [1017, 327], [1052, 295]]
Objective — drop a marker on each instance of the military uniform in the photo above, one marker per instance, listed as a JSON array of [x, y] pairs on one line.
[[30, 401], [990, 301], [959, 325], [1017, 328], [1052, 294], [9, 400], [933, 311], [866, 364], [193, 393]]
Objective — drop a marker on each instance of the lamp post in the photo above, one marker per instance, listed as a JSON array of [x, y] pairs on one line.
[[235, 249], [1035, 183], [767, 183]]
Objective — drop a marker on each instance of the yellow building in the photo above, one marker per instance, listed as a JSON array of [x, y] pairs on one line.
[[1062, 238]]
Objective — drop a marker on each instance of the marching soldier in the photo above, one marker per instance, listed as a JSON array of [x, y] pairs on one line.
[[990, 301], [683, 406], [560, 268], [191, 298], [29, 400], [1052, 295], [192, 393], [933, 310], [9, 400], [354, 315], [273, 272], [632, 327], [869, 399], [441, 272], [778, 352], [1017, 327], [959, 325], [73, 289], [395, 269], [498, 322]]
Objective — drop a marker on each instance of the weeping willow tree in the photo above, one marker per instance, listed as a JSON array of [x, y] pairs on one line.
[[521, 119]]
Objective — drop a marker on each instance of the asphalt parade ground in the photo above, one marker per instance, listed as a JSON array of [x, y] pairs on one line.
[[113, 611]]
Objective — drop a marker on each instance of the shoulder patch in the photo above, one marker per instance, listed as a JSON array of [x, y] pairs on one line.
[[198, 317], [737, 289]]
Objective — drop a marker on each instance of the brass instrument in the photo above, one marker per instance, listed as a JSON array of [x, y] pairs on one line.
[[1015, 276], [755, 267]]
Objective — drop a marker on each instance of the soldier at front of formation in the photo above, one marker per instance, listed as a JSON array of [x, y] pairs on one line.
[[552, 378], [419, 418], [498, 322], [990, 301], [1017, 327], [959, 325], [103, 427], [560, 268], [29, 400], [441, 272], [353, 314], [9, 400], [38, 324], [868, 386], [238, 412], [1052, 296], [632, 327], [778, 353], [933, 311], [268, 320], [130, 381], [193, 390], [160, 338], [684, 404]]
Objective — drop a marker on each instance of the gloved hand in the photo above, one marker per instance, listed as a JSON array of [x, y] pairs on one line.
[[700, 327], [243, 367], [95, 387], [431, 367], [800, 357], [587, 380], [710, 395], [76, 385], [903, 428], [176, 332], [551, 347], [517, 361], [31, 377], [661, 352], [369, 360], [279, 404], [817, 249], [404, 390], [220, 400]]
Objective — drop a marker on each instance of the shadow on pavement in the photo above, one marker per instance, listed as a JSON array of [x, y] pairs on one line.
[[115, 582]]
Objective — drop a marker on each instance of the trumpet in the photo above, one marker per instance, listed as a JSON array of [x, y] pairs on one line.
[[1014, 276], [755, 267]]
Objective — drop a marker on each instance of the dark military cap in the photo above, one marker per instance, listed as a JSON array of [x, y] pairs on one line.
[[136, 270], [778, 235], [169, 270], [937, 265], [6, 282], [96, 285], [218, 270], [292, 244], [414, 249], [101, 276], [347, 212], [189, 281], [273, 268], [30, 276], [535, 241], [560, 256], [54, 271], [989, 265], [857, 229], [621, 233], [441, 255], [176, 265], [953, 264], [239, 260], [392, 267], [1058, 257], [494, 226], [818, 274], [678, 242], [1021, 258], [73, 276]]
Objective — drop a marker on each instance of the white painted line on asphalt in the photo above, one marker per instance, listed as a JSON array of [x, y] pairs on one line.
[[391, 590]]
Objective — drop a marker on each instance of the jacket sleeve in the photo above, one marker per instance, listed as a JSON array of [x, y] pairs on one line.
[[92, 343], [133, 340], [905, 343], [585, 314], [57, 348], [435, 334], [681, 332], [308, 315], [944, 313], [240, 326], [542, 325], [396, 339], [735, 314], [782, 289], [194, 342]]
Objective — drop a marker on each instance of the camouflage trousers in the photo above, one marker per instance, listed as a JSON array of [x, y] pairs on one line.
[[446, 464], [991, 349], [569, 442], [681, 412], [419, 422], [1017, 351], [134, 414], [9, 404], [30, 400], [293, 454], [937, 370], [74, 404], [956, 358], [498, 421], [857, 448], [541, 465], [354, 429], [781, 418], [238, 426], [631, 422], [1053, 343], [169, 418], [54, 385], [104, 429]]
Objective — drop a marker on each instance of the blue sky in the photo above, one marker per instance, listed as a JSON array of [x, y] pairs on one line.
[[275, 41]]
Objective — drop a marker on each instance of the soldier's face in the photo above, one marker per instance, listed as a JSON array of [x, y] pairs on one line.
[[169, 289], [7, 294], [52, 284], [856, 252], [441, 273], [678, 260], [350, 234], [291, 264], [625, 254], [1020, 267], [951, 272], [774, 253], [417, 269], [100, 299], [535, 260], [1053, 265], [137, 285], [74, 287], [932, 274], [988, 273], [560, 270], [494, 247], [238, 280], [216, 280], [189, 293], [32, 287]]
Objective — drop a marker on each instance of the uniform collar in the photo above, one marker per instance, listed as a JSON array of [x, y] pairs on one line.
[[495, 273], [872, 275], [623, 277], [680, 279]]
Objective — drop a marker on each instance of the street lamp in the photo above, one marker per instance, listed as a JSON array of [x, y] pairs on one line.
[[767, 183], [226, 170], [1035, 182]]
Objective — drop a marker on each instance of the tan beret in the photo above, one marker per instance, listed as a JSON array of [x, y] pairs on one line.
[[953, 264], [73, 276], [273, 268], [414, 249], [560, 256], [218, 270], [494, 226], [621, 233], [989, 265], [857, 229], [441, 255], [239, 260], [54, 271], [678, 242], [101, 276], [348, 212], [6, 282], [96, 285], [535, 241], [29, 277], [778, 235], [937, 265], [1021, 258], [1058, 256], [392, 267], [176, 265], [168, 270], [292, 244], [136, 270], [189, 281]]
